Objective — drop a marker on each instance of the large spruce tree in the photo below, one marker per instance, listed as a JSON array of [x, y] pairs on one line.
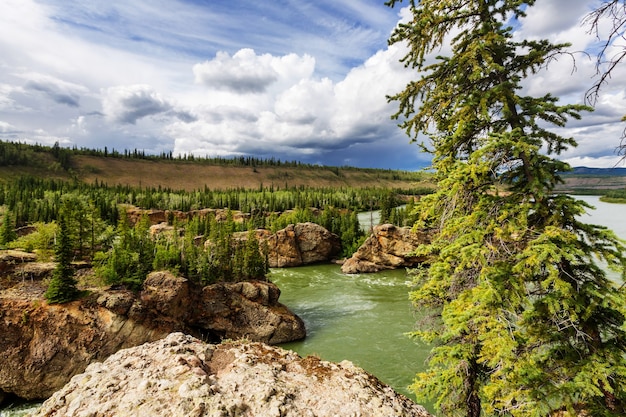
[[62, 287], [523, 319]]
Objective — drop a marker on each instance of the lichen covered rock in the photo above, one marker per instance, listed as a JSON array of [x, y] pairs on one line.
[[182, 376]]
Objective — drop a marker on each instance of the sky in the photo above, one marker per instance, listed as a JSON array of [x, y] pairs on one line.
[[290, 79]]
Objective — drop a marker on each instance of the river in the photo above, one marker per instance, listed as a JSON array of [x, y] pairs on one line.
[[364, 318]]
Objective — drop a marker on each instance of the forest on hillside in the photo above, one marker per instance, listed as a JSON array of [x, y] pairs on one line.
[[24, 154], [42, 214]]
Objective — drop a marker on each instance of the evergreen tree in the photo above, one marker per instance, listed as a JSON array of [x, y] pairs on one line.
[[62, 286], [130, 257], [524, 322], [143, 244], [254, 261], [7, 231], [387, 203]]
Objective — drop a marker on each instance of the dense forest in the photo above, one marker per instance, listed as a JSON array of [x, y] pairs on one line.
[[90, 220], [23, 154]]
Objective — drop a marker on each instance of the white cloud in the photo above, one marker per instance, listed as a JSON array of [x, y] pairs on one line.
[[127, 104], [601, 162], [299, 114], [6, 102], [243, 73], [305, 102], [303, 80], [6, 127], [246, 72], [546, 17], [42, 137]]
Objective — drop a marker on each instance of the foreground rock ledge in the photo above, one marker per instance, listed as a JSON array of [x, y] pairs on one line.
[[42, 346], [182, 376]]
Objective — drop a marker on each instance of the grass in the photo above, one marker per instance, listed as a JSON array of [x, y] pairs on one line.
[[192, 175], [613, 200]]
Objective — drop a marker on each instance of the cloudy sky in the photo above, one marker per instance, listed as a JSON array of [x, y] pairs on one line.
[[291, 79]]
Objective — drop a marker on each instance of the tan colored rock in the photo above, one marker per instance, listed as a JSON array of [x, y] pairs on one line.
[[296, 245], [168, 294], [247, 310], [283, 250], [182, 376], [42, 346], [155, 217], [134, 214], [11, 259], [388, 247], [34, 270], [316, 244], [162, 228]]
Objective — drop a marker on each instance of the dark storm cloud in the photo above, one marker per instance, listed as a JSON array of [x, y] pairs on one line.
[[57, 92], [128, 104]]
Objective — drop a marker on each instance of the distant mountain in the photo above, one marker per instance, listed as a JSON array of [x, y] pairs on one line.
[[585, 180], [609, 172]]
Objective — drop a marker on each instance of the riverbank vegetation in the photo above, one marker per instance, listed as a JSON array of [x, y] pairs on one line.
[[98, 230], [614, 196], [523, 319]]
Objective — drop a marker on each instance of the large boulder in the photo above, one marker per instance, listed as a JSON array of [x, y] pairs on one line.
[[388, 247], [247, 310], [297, 244], [43, 346], [182, 376]]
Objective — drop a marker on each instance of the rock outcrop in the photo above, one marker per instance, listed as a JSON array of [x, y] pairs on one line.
[[42, 346], [160, 216], [13, 261], [296, 245], [182, 376], [388, 247]]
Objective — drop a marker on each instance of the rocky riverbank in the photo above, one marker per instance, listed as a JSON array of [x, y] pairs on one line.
[[182, 376], [388, 247], [43, 346]]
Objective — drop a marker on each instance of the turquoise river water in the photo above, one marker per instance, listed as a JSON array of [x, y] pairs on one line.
[[364, 318]]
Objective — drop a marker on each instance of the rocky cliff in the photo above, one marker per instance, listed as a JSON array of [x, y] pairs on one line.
[[388, 247], [297, 244], [42, 346], [182, 376]]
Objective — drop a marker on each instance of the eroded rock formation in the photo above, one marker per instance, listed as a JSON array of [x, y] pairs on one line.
[[182, 376], [160, 216], [388, 247], [42, 346], [296, 245]]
